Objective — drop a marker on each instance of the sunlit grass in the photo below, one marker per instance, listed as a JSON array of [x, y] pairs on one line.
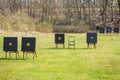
[[102, 63]]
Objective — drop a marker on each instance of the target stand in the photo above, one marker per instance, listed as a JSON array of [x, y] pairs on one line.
[[88, 45], [26, 53], [108, 30], [91, 39], [60, 44], [116, 30], [10, 46], [28, 46], [16, 52], [59, 39], [101, 30], [71, 41]]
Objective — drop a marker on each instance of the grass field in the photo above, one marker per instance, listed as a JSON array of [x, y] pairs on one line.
[[102, 63]]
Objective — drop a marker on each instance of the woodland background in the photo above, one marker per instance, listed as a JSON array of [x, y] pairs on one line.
[[58, 15]]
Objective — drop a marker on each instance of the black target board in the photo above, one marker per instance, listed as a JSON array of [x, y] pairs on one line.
[[28, 44], [59, 38], [97, 28], [10, 44], [108, 29], [102, 30], [116, 30], [91, 37]]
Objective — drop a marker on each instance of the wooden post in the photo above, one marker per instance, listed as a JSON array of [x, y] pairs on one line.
[[26, 55], [56, 45], [63, 45], [6, 54], [9, 54], [88, 45], [16, 55], [23, 55], [33, 55], [94, 45]]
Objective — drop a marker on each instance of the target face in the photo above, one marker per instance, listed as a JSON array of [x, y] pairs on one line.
[[101, 30], [10, 44], [59, 38], [108, 29], [97, 28], [91, 37], [116, 30], [28, 44]]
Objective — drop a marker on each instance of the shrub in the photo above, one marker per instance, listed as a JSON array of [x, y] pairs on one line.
[[21, 22], [4, 23], [44, 27], [80, 27]]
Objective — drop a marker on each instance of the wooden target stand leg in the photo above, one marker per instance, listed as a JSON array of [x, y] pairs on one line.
[[57, 45], [6, 54], [17, 54], [63, 46], [34, 55], [94, 45], [26, 52], [9, 54], [26, 55], [23, 55], [88, 45]]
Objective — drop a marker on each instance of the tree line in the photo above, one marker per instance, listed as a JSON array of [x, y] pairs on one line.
[[66, 12]]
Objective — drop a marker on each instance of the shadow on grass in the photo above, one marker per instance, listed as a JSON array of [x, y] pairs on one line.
[[12, 59], [108, 34], [69, 48], [88, 48]]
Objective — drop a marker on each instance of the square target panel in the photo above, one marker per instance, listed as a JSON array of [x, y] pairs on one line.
[[28, 44], [116, 30], [10, 44], [91, 37], [108, 29], [59, 38], [101, 30], [97, 28]]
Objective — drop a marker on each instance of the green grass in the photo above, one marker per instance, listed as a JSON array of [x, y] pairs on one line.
[[102, 63]]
